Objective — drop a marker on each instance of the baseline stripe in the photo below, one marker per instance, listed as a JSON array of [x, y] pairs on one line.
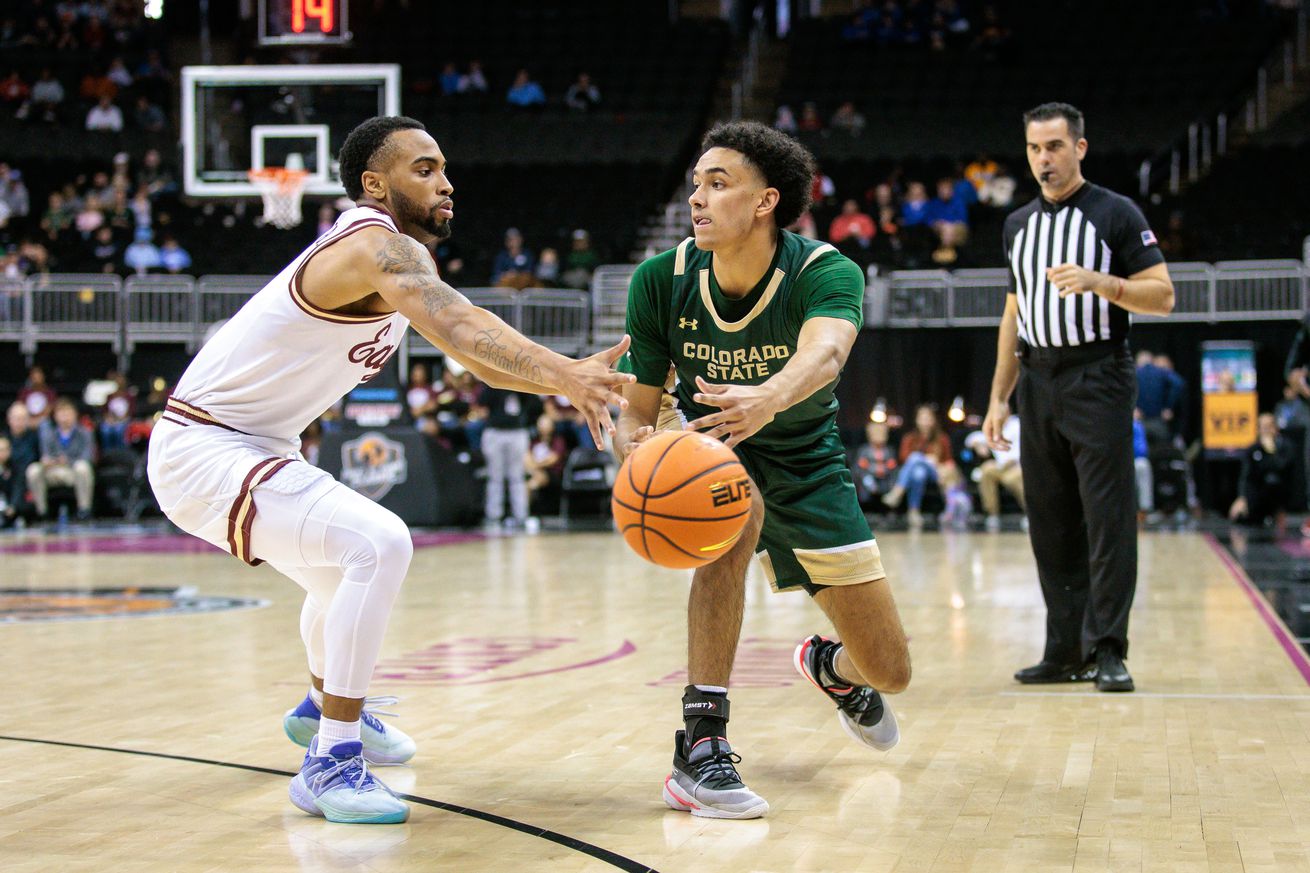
[[1285, 637]]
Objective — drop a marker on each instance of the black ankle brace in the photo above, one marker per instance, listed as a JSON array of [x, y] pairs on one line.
[[705, 713]]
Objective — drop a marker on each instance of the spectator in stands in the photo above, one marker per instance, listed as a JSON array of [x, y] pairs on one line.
[[141, 209], [1266, 470], [809, 122], [474, 81], [25, 448], [118, 74], [1177, 406], [97, 86], [104, 251], [36, 395], [805, 225], [66, 454], [155, 177], [525, 93], [89, 218], [14, 92], [420, 395], [41, 35], [822, 190], [915, 208], [545, 464], [546, 272], [449, 79], [980, 171], [999, 468], [13, 192], [851, 222], [11, 486], [147, 116], [47, 96], [514, 264], [847, 119], [1155, 398], [449, 259], [580, 262], [785, 120], [142, 255], [949, 217], [993, 36], [926, 459], [105, 116], [172, 257], [583, 95], [875, 466], [888, 30], [118, 411], [1142, 468], [153, 71], [33, 257]]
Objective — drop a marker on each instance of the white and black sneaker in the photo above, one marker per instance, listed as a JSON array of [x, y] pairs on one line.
[[705, 782], [864, 714]]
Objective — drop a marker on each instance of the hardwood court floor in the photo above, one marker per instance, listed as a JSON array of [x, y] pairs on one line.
[[541, 678]]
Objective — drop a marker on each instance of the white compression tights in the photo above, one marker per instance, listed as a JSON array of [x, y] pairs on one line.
[[350, 555]]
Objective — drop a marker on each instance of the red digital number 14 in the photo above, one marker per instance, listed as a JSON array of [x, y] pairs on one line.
[[318, 9]]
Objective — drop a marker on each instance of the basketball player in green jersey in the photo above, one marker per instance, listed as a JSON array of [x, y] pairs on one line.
[[757, 323]]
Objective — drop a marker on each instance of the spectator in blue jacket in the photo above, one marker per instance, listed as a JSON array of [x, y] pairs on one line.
[[525, 93]]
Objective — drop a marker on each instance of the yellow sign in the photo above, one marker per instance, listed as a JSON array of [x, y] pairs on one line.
[[1229, 419]]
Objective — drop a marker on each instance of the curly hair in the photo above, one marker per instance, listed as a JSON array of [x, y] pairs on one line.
[[366, 148], [784, 163]]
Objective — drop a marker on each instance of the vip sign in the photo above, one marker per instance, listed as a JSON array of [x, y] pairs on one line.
[[1229, 420]]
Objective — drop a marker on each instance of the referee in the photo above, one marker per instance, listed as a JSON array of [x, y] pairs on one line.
[[1081, 259]]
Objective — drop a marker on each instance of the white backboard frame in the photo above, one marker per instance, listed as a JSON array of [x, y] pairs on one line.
[[194, 78]]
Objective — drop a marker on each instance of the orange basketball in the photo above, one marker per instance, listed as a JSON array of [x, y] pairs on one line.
[[681, 499]]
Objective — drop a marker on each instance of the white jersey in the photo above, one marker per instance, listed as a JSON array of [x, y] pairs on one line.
[[281, 361]]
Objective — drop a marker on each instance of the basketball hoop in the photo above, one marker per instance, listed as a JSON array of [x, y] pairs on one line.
[[281, 189]]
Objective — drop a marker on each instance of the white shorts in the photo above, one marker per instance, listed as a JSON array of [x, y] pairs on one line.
[[205, 477]]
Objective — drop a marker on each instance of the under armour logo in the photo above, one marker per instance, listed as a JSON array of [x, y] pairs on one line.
[[687, 322]]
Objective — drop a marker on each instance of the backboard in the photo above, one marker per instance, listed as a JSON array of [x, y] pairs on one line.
[[235, 118]]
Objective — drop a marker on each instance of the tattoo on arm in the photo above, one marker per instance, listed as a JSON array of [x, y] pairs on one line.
[[407, 259], [488, 347]]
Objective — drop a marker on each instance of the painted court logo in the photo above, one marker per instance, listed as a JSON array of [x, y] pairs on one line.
[[373, 465], [20, 605]]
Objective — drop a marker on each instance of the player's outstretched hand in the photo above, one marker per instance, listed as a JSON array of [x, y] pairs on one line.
[[993, 424], [592, 384], [639, 436], [744, 410]]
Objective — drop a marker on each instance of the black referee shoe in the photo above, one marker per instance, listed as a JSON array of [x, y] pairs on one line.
[[1051, 672], [1111, 674]]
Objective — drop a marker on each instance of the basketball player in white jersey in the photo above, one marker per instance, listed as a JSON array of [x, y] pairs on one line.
[[224, 458]]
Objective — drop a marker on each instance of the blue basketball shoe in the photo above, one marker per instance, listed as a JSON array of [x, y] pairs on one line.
[[383, 744], [339, 787]]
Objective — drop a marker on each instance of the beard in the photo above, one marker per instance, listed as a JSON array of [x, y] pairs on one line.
[[409, 212]]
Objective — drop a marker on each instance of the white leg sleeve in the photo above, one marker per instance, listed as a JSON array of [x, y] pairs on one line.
[[365, 547]]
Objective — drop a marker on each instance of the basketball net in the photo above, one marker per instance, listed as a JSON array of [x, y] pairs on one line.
[[281, 189]]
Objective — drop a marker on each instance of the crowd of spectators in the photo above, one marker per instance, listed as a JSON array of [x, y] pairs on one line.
[[55, 448], [119, 219], [517, 267], [894, 223], [931, 25], [470, 86]]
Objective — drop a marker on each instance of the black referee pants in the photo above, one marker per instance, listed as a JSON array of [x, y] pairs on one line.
[[1076, 453]]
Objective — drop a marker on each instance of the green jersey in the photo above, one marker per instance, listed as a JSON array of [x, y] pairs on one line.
[[678, 315]]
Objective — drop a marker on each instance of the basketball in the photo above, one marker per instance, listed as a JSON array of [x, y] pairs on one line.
[[681, 499]]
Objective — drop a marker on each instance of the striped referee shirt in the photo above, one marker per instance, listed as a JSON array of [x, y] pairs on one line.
[[1094, 228]]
